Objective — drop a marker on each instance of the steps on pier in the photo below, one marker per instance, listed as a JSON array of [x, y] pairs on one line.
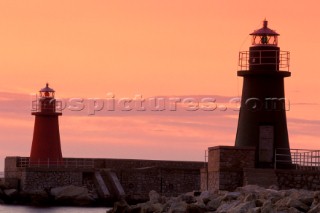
[[260, 177], [112, 182], [101, 186]]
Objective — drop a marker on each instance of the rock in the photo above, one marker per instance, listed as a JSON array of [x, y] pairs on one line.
[[255, 210], [178, 207], [10, 192], [135, 209], [250, 189], [243, 207], [293, 210], [154, 197], [227, 206], [206, 196], [289, 202], [250, 197], [192, 208], [188, 198], [72, 195], [151, 207], [302, 195], [259, 202], [267, 207], [196, 193], [120, 207], [231, 196], [274, 187], [270, 194], [36, 197], [316, 199], [213, 205], [315, 209]]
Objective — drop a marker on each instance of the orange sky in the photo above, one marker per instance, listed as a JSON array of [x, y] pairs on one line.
[[149, 47]]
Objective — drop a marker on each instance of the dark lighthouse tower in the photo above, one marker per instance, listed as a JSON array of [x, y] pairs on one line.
[[46, 148], [262, 118]]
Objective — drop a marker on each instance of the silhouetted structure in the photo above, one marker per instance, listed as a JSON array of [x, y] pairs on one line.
[[262, 118], [46, 148]]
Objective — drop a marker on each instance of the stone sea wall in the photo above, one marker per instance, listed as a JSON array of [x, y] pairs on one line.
[[168, 182], [299, 179], [137, 177], [44, 180]]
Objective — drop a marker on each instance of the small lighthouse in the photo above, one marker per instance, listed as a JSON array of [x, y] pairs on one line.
[[262, 118], [46, 147]]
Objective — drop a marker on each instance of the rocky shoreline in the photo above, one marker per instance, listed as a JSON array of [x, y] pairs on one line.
[[60, 196], [248, 199]]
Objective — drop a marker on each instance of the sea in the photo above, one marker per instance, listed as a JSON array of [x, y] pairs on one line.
[[28, 209]]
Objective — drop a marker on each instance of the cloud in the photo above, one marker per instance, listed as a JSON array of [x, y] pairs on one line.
[[171, 135]]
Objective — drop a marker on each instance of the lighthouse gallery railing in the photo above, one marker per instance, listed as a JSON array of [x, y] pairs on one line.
[[264, 59]]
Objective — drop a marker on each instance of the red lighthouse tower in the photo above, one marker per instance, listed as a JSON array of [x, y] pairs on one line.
[[262, 119], [46, 147]]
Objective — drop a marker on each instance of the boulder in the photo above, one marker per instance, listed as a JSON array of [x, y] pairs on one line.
[[150, 207], [243, 207], [72, 195], [267, 207], [188, 198], [178, 207], [250, 197], [214, 204], [250, 189], [35, 197], [154, 197], [231, 196], [270, 194], [289, 202], [120, 207], [314, 209], [10, 192], [206, 196], [255, 210], [193, 208], [227, 206]]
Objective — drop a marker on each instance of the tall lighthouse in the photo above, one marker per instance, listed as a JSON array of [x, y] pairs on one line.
[[46, 147], [262, 118]]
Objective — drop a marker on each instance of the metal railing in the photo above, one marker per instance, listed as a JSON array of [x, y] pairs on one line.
[[280, 59], [300, 159], [36, 106], [65, 163]]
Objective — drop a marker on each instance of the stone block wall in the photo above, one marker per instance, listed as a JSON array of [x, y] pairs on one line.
[[137, 177], [299, 179], [44, 179], [168, 182], [225, 166]]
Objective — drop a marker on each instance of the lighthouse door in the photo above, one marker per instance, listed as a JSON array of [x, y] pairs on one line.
[[266, 143]]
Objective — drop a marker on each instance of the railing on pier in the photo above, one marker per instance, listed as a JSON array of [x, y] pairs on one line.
[[300, 159], [65, 163]]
